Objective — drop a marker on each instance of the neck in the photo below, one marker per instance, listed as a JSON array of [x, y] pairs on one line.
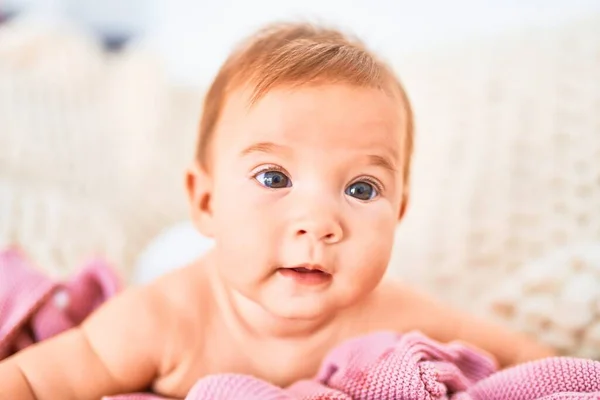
[[259, 322], [251, 318]]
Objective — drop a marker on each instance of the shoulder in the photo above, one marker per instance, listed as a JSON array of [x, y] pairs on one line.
[[401, 307], [171, 296], [185, 298], [394, 296], [183, 302], [184, 290], [154, 319]]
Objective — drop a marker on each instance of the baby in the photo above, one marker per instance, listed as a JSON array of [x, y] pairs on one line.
[[301, 176]]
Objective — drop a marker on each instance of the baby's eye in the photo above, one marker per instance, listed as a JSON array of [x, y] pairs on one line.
[[362, 190], [273, 179]]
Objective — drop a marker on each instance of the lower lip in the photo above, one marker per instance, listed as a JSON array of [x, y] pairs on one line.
[[306, 278]]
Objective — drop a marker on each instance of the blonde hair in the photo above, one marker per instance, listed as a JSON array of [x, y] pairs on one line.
[[299, 54]]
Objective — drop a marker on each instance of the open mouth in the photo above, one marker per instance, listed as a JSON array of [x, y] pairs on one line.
[[310, 274], [307, 270]]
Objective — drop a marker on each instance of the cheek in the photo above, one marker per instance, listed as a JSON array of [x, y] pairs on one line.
[[372, 243], [375, 224], [244, 215], [244, 233]]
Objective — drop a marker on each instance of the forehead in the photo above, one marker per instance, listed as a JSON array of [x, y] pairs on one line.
[[329, 117]]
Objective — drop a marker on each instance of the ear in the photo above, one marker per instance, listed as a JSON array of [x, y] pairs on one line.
[[199, 188], [404, 204]]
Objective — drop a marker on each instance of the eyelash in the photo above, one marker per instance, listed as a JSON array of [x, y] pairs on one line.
[[268, 168], [378, 186]]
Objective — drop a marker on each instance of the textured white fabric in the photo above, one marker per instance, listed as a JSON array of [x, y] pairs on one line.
[[105, 134], [556, 298], [93, 149], [507, 156]]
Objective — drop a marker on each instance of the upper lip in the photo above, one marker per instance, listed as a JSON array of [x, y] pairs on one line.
[[309, 266]]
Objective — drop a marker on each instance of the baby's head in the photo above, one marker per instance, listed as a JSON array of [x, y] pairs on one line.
[[302, 163]]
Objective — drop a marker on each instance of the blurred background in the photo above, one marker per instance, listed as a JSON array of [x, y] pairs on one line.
[[100, 101]]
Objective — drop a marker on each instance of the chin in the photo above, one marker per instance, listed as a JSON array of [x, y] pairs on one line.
[[312, 308]]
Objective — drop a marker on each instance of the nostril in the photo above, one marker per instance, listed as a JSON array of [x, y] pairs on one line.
[[301, 232]]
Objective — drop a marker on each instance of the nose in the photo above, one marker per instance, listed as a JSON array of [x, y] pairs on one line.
[[322, 227]]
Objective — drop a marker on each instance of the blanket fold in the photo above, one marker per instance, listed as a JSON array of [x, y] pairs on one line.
[[34, 307], [388, 366]]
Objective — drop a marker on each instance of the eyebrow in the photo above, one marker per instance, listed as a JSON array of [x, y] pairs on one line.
[[264, 147], [270, 147], [384, 162]]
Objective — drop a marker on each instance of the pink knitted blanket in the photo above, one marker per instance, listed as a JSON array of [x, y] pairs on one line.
[[386, 366], [34, 307], [378, 366]]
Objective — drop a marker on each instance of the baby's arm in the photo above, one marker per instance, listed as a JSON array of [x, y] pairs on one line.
[[116, 350], [444, 323], [507, 346]]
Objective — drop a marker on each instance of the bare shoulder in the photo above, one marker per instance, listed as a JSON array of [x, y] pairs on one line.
[[155, 317], [398, 306], [151, 306], [185, 290], [126, 344], [187, 294]]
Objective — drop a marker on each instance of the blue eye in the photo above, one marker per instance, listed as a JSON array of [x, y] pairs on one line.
[[362, 190], [273, 179]]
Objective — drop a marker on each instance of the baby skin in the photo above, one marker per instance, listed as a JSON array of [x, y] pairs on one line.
[[302, 192]]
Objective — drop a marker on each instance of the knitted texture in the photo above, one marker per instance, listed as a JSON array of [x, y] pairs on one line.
[[378, 366], [555, 298], [33, 307], [387, 366], [391, 366], [88, 136], [505, 167], [553, 378]]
